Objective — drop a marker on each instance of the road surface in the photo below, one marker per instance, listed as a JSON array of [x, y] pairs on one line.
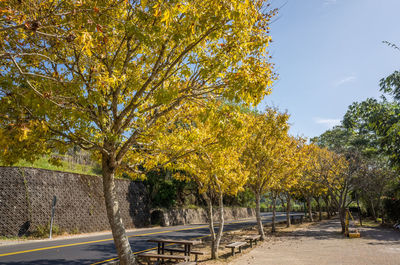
[[100, 249]]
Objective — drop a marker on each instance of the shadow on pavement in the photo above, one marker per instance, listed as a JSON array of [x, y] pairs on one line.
[[331, 229], [384, 234]]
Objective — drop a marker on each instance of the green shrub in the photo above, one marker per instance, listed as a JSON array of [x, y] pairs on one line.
[[43, 231], [75, 231], [392, 209]]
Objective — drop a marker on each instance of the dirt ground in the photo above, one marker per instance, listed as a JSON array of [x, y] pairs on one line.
[[319, 243]]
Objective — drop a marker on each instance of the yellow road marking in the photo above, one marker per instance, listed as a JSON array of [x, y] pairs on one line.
[[52, 247], [107, 260], [95, 241], [107, 239]]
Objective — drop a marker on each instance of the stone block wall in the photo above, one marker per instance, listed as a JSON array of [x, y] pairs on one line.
[[198, 216], [26, 196]]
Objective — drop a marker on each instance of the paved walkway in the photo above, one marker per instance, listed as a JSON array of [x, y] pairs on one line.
[[322, 244]]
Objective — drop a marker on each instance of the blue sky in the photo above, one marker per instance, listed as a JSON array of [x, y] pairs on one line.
[[328, 54]]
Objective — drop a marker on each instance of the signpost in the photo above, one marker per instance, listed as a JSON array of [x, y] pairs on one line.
[[53, 207]]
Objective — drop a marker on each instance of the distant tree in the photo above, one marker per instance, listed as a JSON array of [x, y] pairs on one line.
[[337, 167], [391, 83], [373, 180], [264, 154]]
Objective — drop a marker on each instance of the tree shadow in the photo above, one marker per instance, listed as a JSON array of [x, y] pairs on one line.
[[320, 231], [23, 230], [332, 229], [384, 235]]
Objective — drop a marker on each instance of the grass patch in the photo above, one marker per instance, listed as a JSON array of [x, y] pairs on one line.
[[13, 238], [43, 163], [370, 222]]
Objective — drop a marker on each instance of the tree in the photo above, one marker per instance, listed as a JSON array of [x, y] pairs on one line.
[[293, 165], [206, 145], [263, 154], [372, 182], [379, 120], [107, 75], [336, 172], [391, 83]]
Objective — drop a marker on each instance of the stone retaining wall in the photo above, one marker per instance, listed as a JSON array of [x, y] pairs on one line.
[[26, 196], [197, 216]]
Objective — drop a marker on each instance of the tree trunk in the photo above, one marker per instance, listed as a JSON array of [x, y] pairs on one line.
[[342, 216], [309, 208], [327, 207], [373, 211], [273, 229], [113, 213], [221, 226], [282, 203], [211, 226], [379, 208], [258, 216], [288, 208], [319, 208], [359, 210]]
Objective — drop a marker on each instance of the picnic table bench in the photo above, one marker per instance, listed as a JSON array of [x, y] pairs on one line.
[[187, 263], [187, 250], [195, 252], [236, 245], [295, 218], [252, 238], [148, 256]]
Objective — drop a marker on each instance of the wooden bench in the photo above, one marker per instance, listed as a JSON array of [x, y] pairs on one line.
[[187, 263], [148, 256], [195, 252], [235, 245], [296, 218], [252, 238]]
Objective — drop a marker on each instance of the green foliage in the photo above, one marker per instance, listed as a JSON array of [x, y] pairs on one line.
[[75, 231], [246, 198], [392, 209], [166, 191], [391, 83], [43, 231], [391, 203]]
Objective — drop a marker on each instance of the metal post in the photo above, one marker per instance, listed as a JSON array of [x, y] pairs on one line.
[[53, 207]]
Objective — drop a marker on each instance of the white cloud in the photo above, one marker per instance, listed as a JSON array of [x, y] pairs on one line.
[[329, 2], [327, 122], [345, 80]]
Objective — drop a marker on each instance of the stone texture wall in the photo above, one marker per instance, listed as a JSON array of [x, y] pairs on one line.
[[198, 216], [26, 196]]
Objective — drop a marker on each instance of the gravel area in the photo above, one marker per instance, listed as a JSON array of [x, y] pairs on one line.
[[322, 244]]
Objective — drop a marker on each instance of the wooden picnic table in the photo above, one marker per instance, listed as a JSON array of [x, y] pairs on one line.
[[252, 238], [188, 244]]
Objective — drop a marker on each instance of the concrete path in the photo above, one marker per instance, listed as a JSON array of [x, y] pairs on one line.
[[322, 244]]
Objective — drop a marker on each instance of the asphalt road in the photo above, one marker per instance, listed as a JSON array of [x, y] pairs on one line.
[[100, 249]]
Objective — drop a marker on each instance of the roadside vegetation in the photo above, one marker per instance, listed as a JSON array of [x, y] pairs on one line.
[[63, 165]]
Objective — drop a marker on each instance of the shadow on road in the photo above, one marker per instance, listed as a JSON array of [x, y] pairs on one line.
[[52, 262]]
